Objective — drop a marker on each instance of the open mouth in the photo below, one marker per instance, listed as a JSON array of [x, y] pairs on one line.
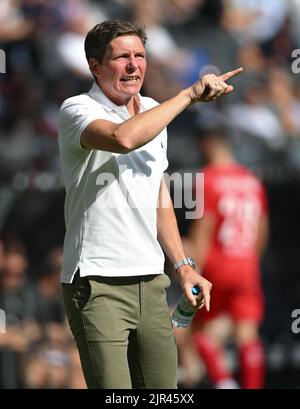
[[130, 79]]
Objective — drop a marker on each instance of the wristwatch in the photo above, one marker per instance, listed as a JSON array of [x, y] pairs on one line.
[[185, 261]]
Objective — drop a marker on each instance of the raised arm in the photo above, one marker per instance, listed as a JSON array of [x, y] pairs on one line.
[[142, 128]]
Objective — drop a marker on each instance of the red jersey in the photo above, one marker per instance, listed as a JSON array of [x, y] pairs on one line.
[[236, 198]]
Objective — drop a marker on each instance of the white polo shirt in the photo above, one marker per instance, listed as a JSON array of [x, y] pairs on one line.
[[111, 198]]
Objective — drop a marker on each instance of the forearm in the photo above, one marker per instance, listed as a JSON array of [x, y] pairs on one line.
[[142, 128], [169, 238], [168, 234], [167, 228]]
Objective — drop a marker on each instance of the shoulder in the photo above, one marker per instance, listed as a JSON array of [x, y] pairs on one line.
[[253, 180], [80, 109], [77, 101]]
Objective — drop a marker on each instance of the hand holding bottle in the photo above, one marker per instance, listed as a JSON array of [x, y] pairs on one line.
[[184, 312], [189, 278]]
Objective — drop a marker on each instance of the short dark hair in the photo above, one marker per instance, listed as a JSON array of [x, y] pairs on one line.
[[102, 34], [215, 133]]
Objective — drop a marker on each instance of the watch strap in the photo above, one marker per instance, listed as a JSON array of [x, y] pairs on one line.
[[185, 261]]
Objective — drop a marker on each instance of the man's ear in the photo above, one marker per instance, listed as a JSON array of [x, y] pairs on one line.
[[95, 66]]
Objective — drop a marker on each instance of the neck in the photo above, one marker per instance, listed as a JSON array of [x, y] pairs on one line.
[[133, 106], [132, 103]]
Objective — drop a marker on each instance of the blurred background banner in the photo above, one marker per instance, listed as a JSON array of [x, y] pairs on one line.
[[42, 63]]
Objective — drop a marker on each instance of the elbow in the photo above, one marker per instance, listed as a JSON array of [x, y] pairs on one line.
[[124, 143], [125, 148]]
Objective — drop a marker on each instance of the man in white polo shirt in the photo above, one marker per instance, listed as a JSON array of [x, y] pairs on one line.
[[119, 215]]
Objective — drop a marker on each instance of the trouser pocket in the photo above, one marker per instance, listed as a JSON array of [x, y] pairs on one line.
[[81, 290]]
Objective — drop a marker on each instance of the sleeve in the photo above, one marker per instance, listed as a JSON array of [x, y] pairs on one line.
[[74, 116]]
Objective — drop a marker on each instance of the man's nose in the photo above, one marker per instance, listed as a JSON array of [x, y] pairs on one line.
[[132, 65]]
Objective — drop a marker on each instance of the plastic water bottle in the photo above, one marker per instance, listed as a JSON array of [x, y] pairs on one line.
[[184, 311]]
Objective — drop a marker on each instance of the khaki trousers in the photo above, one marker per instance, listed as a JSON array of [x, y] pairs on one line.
[[123, 331]]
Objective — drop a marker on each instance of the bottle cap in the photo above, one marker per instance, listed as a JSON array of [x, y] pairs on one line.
[[196, 290]]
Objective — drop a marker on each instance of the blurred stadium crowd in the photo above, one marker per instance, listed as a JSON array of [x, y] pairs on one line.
[[45, 64]]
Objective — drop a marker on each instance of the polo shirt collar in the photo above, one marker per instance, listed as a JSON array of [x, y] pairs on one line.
[[98, 95]]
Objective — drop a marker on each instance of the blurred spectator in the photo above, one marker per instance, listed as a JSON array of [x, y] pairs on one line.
[[19, 306], [46, 366], [178, 11], [70, 45], [254, 116], [14, 25], [294, 12], [283, 100], [49, 365], [227, 243], [48, 290], [17, 291], [254, 19], [252, 59]]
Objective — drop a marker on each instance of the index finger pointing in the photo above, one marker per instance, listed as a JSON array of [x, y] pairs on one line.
[[230, 74]]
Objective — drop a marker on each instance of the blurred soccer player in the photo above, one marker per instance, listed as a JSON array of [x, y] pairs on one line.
[[227, 242]]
